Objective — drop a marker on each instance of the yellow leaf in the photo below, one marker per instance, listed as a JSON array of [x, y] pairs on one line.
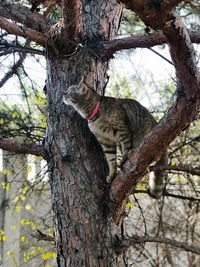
[[28, 207], [22, 197], [47, 255], [26, 257], [10, 253], [6, 185], [3, 236], [23, 238], [130, 205], [18, 208], [5, 171]]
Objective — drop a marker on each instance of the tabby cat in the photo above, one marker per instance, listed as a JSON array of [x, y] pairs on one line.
[[118, 124]]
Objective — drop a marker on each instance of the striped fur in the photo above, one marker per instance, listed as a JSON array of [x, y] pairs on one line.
[[120, 125]]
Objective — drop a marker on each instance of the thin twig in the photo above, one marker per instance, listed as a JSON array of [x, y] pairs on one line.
[[125, 243]]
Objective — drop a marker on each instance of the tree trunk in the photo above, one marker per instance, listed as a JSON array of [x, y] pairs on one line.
[[85, 233], [84, 230]]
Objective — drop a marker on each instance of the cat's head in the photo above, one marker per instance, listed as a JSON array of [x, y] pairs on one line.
[[78, 96]]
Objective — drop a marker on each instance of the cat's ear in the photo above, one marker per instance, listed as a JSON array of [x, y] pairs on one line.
[[84, 89]]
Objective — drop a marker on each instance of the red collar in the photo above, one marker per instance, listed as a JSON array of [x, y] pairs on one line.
[[94, 111]]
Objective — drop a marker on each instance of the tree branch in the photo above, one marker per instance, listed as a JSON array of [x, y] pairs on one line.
[[19, 31], [167, 194], [23, 15], [126, 243], [180, 168], [73, 20], [106, 49], [13, 70], [181, 113], [7, 48], [40, 236], [153, 13], [21, 148]]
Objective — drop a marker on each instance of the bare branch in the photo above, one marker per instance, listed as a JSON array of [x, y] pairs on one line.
[[40, 236], [13, 70], [7, 48], [167, 194], [180, 168], [125, 243], [19, 31], [106, 49], [24, 16], [21, 148]]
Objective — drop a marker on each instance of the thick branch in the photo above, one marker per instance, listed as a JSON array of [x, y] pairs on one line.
[[156, 239], [19, 31], [107, 49], [185, 62], [21, 148], [153, 13], [182, 112], [24, 16]]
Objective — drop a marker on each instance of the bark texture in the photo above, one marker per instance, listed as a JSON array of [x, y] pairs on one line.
[[85, 233]]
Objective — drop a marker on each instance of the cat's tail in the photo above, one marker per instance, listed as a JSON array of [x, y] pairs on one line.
[[156, 179]]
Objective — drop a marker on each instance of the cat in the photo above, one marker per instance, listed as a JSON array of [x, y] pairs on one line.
[[118, 124]]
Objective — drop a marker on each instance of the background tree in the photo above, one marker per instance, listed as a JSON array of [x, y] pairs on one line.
[[78, 42]]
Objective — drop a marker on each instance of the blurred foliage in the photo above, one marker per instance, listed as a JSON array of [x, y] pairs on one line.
[[16, 120]]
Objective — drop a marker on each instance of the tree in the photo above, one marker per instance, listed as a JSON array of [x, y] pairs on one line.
[[88, 212]]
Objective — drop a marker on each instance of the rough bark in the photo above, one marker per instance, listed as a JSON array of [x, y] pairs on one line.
[[85, 233], [106, 50], [27, 33], [21, 148], [23, 15]]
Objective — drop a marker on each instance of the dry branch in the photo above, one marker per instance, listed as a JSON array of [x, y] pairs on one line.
[[40, 236], [7, 48], [13, 70], [180, 168], [167, 194], [124, 244], [20, 31], [107, 49], [23, 15], [21, 148]]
